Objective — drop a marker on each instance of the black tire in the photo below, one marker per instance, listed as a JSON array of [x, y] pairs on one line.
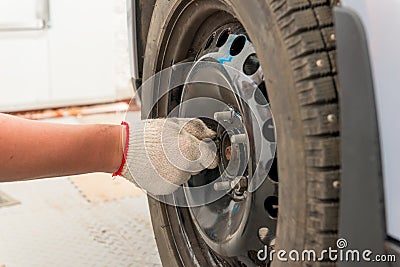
[[295, 42]]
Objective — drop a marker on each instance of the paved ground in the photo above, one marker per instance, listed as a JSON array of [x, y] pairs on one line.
[[88, 220]]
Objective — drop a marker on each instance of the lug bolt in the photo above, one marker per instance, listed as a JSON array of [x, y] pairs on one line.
[[239, 184], [238, 139], [222, 186], [223, 115]]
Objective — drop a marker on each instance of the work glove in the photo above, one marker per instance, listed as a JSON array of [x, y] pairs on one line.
[[162, 154]]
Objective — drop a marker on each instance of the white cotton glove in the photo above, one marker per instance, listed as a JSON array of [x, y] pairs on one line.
[[162, 154]]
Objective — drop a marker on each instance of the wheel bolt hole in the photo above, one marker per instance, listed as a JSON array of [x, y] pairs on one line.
[[271, 206], [272, 164], [223, 37], [238, 45], [260, 95], [251, 65], [269, 130], [209, 41]]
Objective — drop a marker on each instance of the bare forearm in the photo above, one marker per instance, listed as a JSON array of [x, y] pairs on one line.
[[32, 149]]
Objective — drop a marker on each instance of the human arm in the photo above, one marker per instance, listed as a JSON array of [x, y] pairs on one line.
[[34, 149], [161, 154]]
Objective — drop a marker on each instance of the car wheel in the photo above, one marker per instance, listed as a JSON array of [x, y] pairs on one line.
[[296, 207]]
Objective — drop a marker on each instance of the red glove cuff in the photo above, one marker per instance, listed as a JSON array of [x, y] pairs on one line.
[[126, 147]]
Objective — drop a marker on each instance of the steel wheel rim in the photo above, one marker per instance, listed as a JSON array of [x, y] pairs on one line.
[[257, 237]]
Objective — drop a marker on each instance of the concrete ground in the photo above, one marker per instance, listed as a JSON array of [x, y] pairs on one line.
[[85, 220]]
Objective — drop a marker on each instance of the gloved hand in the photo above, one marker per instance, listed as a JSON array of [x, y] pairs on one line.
[[162, 154]]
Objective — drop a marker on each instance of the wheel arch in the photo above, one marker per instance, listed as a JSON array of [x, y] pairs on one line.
[[139, 13], [362, 177]]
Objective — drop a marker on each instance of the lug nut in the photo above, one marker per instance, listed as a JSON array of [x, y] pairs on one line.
[[272, 243], [238, 183], [263, 234], [238, 139]]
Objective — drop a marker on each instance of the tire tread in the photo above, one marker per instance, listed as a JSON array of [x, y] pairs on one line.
[[308, 33]]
